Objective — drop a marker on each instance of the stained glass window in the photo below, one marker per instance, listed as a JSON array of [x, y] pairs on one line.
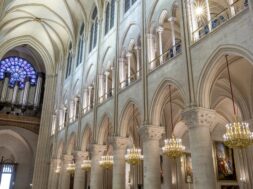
[[19, 70]]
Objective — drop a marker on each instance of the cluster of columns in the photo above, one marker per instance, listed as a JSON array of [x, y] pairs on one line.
[[129, 67], [88, 98], [198, 120], [162, 54], [74, 109], [18, 96], [105, 85], [195, 27]]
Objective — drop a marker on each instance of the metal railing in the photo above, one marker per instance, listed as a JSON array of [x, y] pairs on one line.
[[166, 56], [106, 96], [133, 77], [219, 19]]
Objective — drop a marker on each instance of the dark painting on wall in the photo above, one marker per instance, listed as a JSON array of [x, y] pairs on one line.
[[230, 187], [188, 169], [225, 162]]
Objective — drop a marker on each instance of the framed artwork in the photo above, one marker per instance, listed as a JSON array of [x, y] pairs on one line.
[[230, 187], [225, 162], [188, 169]]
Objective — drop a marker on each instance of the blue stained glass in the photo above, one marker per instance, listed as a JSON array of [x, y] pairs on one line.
[[19, 69]]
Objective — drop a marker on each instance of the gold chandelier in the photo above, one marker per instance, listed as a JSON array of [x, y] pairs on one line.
[[173, 147], [238, 134], [133, 156], [71, 168], [106, 162], [86, 165]]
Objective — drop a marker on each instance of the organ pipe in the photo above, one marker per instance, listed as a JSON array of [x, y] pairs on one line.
[[26, 92], [5, 88], [38, 90]]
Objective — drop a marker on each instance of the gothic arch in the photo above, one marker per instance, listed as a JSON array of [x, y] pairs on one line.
[[212, 67], [159, 99]]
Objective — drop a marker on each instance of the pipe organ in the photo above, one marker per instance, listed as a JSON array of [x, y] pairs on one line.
[[21, 87]]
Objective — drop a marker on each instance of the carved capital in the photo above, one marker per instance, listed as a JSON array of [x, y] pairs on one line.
[[67, 159], [199, 117], [80, 156], [151, 132], [119, 143], [98, 150]]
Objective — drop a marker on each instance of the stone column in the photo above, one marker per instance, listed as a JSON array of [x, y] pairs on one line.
[[129, 56], [119, 150], [138, 61], [96, 180], [122, 73], [231, 8], [208, 15], [113, 79], [150, 136], [199, 121], [53, 128], [76, 108], [41, 166], [107, 90], [53, 176], [101, 87], [5, 88], [172, 21], [85, 100], [90, 97], [65, 117], [192, 20], [36, 101], [151, 51], [79, 173], [65, 176], [167, 174], [160, 36]]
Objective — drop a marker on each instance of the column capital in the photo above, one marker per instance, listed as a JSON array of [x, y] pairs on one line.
[[107, 73], [80, 155], [129, 54], [160, 29], [172, 19], [90, 87], [150, 36], [119, 143], [148, 132], [137, 48], [98, 149], [199, 117], [122, 60], [67, 159]]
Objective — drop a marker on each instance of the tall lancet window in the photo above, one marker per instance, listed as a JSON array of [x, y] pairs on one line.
[[80, 46], [69, 61], [128, 4], [93, 30], [109, 16]]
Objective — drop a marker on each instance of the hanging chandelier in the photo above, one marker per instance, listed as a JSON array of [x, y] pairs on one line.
[[238, 134], [133, 156], [106, 162], [71, 168], [86, 165], [173, 147]]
